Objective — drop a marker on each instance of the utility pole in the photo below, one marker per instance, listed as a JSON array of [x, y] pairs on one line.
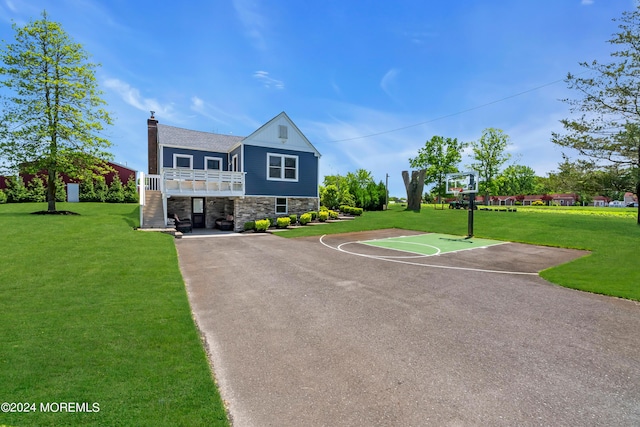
[[386, 190]]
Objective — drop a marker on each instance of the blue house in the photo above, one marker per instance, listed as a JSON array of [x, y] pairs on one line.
[[207, 176]]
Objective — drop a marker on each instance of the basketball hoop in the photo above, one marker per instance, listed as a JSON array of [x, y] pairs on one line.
[[455, 191]]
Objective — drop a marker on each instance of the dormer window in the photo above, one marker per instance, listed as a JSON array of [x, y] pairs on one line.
[[283, 132]]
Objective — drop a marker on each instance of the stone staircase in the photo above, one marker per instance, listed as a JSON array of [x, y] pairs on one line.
[[153, 216]]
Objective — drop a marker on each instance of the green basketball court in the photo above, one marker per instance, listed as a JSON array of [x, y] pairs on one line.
[[431, 244]]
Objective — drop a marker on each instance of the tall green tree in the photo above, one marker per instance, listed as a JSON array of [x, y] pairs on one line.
[[52, 117], [606, 125], [439, 157], [489, 153], [516, 179]]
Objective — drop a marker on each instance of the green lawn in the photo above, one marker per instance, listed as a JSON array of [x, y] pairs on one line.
[[611, 269], [93, 311]]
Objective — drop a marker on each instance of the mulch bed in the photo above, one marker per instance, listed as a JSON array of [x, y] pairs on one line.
[[54, 213]]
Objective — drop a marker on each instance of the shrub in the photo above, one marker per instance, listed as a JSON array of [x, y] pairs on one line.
[[61, 189], [116, 191], [537, 203], [357, 211], [100, 189], [249, 225], [87, 190], [283, 222], [3, 197], [131, 191], [323, 216], [305, 219], [16, 192], [323, 208], [313, 214], [293, 219], [262, 225], [333, 214], [36, 191]]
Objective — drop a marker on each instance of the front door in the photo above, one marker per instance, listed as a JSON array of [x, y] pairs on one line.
[[197, 209]]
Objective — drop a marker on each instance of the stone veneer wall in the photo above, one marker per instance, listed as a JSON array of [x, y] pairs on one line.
[[180, 206], [217, 207], [253, 208], [243, 209]]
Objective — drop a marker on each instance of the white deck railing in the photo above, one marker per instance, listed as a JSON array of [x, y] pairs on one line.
[[153, 182], [202, 182]]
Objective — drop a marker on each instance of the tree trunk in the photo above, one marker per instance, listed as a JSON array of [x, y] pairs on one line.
[[638, 197], [414, 188], [51, 190]]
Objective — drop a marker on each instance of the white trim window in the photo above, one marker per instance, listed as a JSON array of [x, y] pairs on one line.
[[234, 163], [281, 206], [182, 161], [212, 163], [282, 167]]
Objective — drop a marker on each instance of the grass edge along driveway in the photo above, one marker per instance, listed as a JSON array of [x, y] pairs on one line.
[[611, 269], [95, 312]]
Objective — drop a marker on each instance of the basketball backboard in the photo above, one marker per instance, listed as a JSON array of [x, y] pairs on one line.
[[462, 182]]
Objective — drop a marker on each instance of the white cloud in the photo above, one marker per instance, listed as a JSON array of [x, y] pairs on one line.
[[268, 82], [586, 2], [132, 96], [222, 116], [389, 80], [253, 22]]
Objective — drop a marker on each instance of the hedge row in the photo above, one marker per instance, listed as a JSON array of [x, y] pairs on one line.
[[286, 221]]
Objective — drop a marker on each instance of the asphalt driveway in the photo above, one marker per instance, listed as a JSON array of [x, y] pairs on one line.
[[301, 334]]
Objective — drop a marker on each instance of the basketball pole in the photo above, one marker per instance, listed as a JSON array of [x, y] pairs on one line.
[[472, 206]]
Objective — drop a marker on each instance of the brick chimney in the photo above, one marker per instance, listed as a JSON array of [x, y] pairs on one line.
[[152, 126]]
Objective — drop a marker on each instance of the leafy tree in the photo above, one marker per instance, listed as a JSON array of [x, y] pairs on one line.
[[338, 180], [3, 197], [516, 179], [36, 191], [346, 198], [438, 157], [329, 196], [573, 177], [115, 194], [131, 191], [608, 123], [51, 117], [613, 181], [489, 154]]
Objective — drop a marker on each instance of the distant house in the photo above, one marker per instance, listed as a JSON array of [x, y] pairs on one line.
[[601, 201], [205, 176], [629, 198]]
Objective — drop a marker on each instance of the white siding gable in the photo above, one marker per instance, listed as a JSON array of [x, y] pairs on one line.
[[270, 136]]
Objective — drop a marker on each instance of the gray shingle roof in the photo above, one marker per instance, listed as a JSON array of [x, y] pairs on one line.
[[169, 135]]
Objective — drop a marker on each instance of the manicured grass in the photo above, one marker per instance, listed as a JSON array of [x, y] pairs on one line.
[[611, 269], [93, 311]]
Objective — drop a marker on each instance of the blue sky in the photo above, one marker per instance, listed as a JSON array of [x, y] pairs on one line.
[[348, 73]]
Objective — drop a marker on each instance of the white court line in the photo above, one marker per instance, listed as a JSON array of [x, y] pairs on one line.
[[479, 270], [418, 254], [366, 242]]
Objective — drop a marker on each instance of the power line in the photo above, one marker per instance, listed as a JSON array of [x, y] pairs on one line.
[[452, 114]]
